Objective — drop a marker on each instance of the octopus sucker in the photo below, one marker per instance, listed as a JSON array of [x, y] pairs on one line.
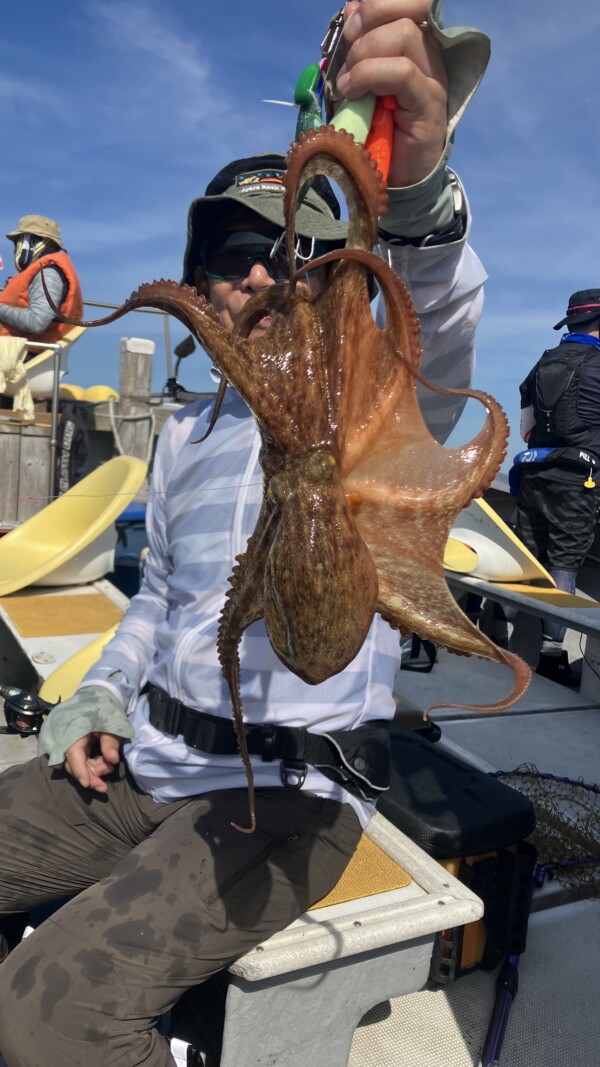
[[348, 462]]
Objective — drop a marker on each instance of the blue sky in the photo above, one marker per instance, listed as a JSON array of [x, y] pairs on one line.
[[115, 113]]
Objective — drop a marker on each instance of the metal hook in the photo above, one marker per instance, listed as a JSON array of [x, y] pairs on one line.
[[277, 245], [332, 35], [333, 51]]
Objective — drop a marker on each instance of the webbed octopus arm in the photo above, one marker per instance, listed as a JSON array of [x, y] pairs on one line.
[[192, 309], [343, 306], [284, 394], [407, 489]]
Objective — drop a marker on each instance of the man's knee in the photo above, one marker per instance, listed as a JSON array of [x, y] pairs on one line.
[[36, 1003], [57, 998]]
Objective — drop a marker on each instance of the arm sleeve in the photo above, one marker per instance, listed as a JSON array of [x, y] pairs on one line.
[[37, 317], [446, 285], [421, 209], [123, 664]]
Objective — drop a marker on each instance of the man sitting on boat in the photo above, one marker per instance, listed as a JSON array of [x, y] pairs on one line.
[[26, 314], [168, 892]]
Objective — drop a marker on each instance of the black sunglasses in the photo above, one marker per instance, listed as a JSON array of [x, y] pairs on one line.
[[231, 258]]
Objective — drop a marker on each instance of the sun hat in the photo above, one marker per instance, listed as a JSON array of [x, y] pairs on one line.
[[584, 306], [38, 225], [256, 183]]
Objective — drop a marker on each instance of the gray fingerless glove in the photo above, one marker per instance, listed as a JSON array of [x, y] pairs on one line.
[[428, 206], [92, 709]]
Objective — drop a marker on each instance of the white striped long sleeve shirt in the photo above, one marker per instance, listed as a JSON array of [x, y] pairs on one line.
[[203, 505]]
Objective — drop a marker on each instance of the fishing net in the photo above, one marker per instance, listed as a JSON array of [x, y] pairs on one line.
[[567, 834]]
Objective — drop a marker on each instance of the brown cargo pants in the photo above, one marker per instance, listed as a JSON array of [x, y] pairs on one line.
[[163, 896]]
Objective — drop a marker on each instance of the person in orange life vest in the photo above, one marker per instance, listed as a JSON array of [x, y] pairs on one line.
[[25, 311], [24, 307]]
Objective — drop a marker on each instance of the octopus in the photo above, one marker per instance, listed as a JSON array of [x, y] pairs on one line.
[[358, 497]]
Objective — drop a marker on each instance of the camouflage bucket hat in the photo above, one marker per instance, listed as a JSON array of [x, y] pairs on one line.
[[256, 183], [38, 225]]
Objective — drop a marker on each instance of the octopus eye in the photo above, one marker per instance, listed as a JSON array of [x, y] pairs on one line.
[[320, 466], [279, 488]]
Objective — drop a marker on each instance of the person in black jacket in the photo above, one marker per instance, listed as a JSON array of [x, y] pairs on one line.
[[560, 422]]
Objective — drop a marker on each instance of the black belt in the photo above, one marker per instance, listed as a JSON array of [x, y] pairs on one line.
[[359, 759]]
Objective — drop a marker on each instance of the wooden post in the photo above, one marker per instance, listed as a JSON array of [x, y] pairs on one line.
[[34, 464], [135, 378], [10, 457]]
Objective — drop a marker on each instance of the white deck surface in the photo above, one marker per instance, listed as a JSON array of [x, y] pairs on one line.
[[460, 679], [552, 727], [554, 1020]]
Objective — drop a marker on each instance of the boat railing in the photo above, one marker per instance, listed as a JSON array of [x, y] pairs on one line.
[[143, 311], [55, 350], [34, 481], [583, 619]]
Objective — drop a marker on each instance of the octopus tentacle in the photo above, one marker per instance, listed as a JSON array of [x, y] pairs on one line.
[[336, 154], [265, 301], [216, 411], [243, 606], [521, 679], [479, 460]]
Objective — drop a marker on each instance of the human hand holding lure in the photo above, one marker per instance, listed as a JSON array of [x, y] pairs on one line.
[[383, 79], [369, 119]]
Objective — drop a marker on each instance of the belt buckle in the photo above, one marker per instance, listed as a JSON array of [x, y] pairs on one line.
[[293, 773]]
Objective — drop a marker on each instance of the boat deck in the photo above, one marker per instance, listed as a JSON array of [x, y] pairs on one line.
[[552, 727], [555, 1018]]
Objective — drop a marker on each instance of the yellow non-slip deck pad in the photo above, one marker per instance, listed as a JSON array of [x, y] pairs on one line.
[[59, 614], [370, 871]]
